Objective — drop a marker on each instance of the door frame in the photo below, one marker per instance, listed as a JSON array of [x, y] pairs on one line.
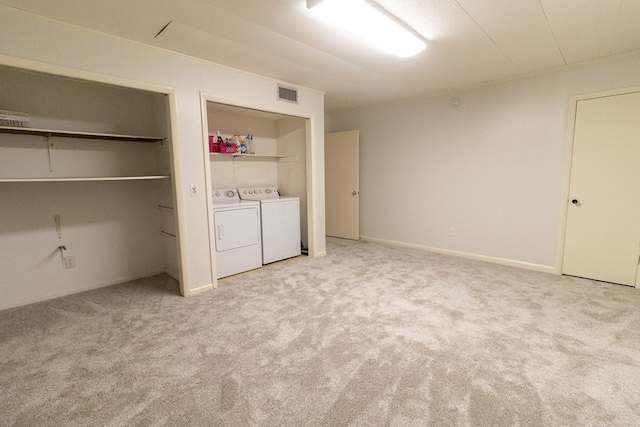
[[568, 162], [171, 111], [312, 164]]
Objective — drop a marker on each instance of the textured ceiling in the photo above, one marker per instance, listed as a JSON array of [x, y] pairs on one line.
[[470, 42]]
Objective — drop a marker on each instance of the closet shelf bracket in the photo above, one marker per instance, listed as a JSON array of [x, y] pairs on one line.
[[49, 144]]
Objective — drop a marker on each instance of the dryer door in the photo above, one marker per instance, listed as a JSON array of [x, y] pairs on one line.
[[237, 228]]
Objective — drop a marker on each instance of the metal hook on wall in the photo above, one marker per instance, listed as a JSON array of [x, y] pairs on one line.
[[62, 248], [49, 144]]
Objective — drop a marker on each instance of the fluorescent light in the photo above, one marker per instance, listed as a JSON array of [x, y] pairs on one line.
[[362, 18]]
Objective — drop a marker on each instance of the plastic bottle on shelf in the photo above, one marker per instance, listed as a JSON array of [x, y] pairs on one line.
[[251, 149], [243, 145], [235, 139]]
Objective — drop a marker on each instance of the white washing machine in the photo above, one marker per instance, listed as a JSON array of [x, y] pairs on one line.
[[280, 222], [238, 239]]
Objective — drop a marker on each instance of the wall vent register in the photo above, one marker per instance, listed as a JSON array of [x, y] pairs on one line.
[[287, 94]]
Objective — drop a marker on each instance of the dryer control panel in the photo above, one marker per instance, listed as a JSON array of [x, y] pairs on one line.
[[225, 195]]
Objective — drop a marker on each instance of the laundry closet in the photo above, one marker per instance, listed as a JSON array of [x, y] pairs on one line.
[[278, 158], [86, 187]]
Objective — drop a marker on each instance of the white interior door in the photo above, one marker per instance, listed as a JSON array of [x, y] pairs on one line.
[[342, 186], [602, 238]]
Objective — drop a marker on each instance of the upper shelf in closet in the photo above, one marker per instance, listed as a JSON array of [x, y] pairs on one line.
[[82, 131], [89, 179], [86, 135], [246, 156]]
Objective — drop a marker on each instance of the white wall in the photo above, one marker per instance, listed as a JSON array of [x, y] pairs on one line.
[[46, 45], [65, 104], [292, 173], [100, 225], [492, 169], [233, 173]]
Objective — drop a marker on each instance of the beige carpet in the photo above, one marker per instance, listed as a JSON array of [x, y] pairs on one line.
[[371, 335]]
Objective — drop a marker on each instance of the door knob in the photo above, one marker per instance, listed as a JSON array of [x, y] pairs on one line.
[[575, 201], [353, 193]]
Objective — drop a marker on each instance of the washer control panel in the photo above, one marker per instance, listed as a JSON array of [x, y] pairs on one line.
[[258, 193]]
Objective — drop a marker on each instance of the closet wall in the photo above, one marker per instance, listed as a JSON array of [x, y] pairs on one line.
[[229, 172], [292, 169], [107, 193]]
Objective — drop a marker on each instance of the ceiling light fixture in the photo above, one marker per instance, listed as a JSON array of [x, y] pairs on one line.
[[371, 22]]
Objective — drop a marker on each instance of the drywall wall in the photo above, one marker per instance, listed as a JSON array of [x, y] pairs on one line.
[[46, 45], [111, 228], [233, 173], [292, 169], [56, 103], [483, 179]]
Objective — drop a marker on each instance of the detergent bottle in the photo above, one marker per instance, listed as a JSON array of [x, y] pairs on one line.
[[243, 145]]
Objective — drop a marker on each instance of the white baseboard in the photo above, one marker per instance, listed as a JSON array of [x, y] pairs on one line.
[[494, 260], [201, 289], [320, 254]]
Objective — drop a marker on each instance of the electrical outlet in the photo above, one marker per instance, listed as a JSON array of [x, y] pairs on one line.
[[194, 190], [69, 261]]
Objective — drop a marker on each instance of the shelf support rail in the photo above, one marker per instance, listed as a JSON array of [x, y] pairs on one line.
[[47, 141]]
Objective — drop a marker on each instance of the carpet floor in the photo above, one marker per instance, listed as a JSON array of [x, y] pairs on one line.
[[371, 335]]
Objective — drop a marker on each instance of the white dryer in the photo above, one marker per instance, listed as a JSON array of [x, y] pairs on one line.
[[280, 222], [237, 233]]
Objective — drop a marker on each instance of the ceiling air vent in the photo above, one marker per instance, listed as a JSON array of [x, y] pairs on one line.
[[286, 94]]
